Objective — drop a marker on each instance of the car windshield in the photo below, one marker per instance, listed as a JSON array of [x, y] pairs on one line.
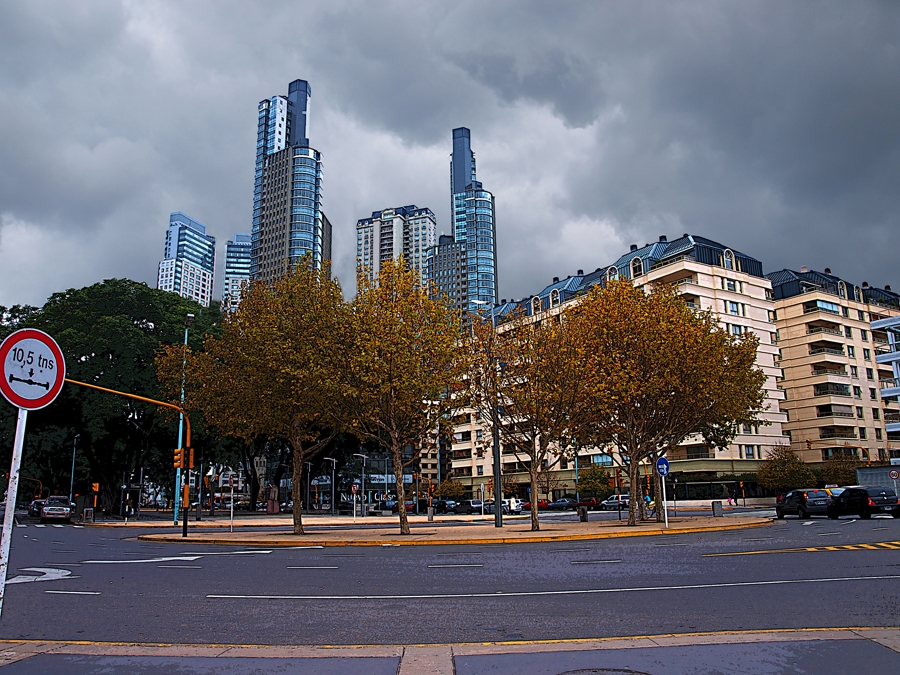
[[880, 492], [56, 502], [816, 494]]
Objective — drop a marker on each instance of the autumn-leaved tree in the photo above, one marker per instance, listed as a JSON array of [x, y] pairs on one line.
[[268, 375], [840, 470], [783, 470], [658, 372], [595, 479], [450, 488], [401, 363], [529, 369]]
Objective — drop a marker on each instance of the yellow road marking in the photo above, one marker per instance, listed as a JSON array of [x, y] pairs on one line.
[[874, 546]]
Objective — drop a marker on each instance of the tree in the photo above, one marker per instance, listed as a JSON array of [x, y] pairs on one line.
[[401, 361], [268, 376], [450, 488], [594, 479], [840, 470], [528, 370], [783, 470], [548, 480], [657, 372]]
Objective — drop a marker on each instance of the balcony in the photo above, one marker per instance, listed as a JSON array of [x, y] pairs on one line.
[[829, 371], [891, 417], [816, 349], [834, 413], [831, 389], [462, 454], [837, 432], [677, 259], [820, 329], [686, 280]]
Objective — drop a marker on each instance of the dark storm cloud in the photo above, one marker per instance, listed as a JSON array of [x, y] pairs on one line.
[[771, 127]]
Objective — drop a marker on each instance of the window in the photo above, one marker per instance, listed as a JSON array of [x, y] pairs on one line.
[[479, 434], [536, 305], [854, 371], [857, 294], [864, 334], [859, 412], [862, 433], [876, 414], [861, 314], [857, 393], [873, 393], [787, 433], [869, 374], [851, 351], [612, 274], [729, 260], [845, 312], [848, 332], [637, 267], [554, 297], [734, 309], [867, 354], [735, 330], [878, 434], [730, 285], [480, 469], [563, 463], [842, 289], [602, 460]]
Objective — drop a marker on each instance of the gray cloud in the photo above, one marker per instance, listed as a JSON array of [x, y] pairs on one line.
[[769, 127]]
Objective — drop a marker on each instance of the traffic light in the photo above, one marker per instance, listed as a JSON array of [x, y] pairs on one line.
[[490, 485], [808, 444], [95, 487], [190, 457], [179, 458]]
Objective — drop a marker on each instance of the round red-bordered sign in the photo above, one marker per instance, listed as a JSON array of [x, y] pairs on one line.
[[33, 369], [894, 474]]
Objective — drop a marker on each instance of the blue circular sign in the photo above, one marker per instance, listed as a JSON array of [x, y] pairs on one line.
[[662, 466]]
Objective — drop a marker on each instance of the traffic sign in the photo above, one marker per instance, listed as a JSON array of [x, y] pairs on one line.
[[354, 488], [662, 466], [33, 369], [895, 474]]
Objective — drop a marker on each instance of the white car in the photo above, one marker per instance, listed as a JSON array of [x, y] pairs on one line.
[[612, 503], [56, 508]]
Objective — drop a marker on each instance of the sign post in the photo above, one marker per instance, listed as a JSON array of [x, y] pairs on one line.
[[662, 468], [32, 377], [231, 485], [894, 474]]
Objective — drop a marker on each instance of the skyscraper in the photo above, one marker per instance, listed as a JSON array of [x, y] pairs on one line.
[[188, 265], [388, 234], [237, 270], [288, 221], [473, 284]]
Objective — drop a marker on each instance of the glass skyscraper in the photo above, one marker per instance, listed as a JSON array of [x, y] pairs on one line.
[[237, 270], [288, 221], [189, 260], [464, 267]]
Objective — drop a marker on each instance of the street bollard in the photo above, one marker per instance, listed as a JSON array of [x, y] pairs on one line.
[[717, 509], [430, 513], [583, 514]]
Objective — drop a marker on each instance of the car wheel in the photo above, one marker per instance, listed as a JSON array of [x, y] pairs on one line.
[[865, 515], [802, 513]]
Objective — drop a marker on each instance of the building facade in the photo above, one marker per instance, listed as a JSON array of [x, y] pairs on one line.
[[237, 270], [709, 276], [828, 352], [474, 284], [288, 221], [189, 261], [888, 356], [386, 235]]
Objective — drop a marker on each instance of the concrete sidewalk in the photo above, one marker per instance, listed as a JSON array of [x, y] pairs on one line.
[[386, 533], [758, 651]]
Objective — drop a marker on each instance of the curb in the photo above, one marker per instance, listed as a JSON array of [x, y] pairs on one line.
[[172, 539]]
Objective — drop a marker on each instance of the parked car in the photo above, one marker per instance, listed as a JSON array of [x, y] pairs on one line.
[[562, 504], [590, 503], [56, 508], [34, 508], [489, 507], [864, 501], [513, 505], [541, 504], [468, 506], [614, 502], [804, 503]]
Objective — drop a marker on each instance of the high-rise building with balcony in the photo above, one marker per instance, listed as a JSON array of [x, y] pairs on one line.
[[288, 221], [829, 352], [886, 333], [472, 208], [237, 270], [388, 234], [189, 260]]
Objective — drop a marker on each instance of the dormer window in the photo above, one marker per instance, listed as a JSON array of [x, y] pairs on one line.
[[612, 274], [637, 268], [536, 305], [729, 260], [554, 297], [857, 293], [842, 289]]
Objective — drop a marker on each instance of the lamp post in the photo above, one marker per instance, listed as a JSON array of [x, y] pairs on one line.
[[308, 475], [495, 423], [362, 487], [188, 320], [72, 474], [333, 465]]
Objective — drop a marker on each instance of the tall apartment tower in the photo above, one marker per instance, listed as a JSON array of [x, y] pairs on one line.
[[474, 284], [188, 265], [288, 221], [829, 349], [237, 270], [388, 234]]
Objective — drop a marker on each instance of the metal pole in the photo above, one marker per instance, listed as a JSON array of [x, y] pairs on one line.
[[417, 494], [200, 492], [180, 429], [231, 523], [72, 474], [665, 510], [308, 474], [333, 464], [577, 491], [495, 423], [675, 499], [363, 486], [184, 509], [11, 491]]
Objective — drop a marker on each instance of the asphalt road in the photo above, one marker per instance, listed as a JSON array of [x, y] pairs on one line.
[[115, 588]]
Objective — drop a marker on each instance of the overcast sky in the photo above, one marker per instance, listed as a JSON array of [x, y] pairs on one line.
[[771, 127]]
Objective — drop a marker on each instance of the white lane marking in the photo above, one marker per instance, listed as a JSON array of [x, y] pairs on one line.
[[473, 553], [300, 547], [62, 564], [40, 526], [147, 560], [848, 522], [593, 562], [457, 565], [569, 550], [807, 523], [343, 555], [46, 574], [59, 526], [182, 567], [579, 591], [223, 552], [73, 592], [880, 528], [80, 527], [825, 534], [312, 567], [20, 525]]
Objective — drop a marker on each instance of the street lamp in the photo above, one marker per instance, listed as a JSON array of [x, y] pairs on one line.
[[308, 475], [333, 465], [495, 423], [72, 475], [188, 320], [362, 487]]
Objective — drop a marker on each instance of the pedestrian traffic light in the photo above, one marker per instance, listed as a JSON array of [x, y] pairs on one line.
[[179, 458]]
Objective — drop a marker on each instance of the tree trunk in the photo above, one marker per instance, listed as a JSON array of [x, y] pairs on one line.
[[397, 452], [297, 487], [634, 478], [535, 523], [658, 497]]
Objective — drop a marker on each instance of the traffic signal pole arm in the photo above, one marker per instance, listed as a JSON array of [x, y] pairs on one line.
[[187, 420]]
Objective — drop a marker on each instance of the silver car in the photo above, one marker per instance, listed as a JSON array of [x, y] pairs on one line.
[[56, 508]]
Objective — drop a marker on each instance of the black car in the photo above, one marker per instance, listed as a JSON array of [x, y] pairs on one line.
[[864, 501], [804, 503], [34, 508], [564, 504]]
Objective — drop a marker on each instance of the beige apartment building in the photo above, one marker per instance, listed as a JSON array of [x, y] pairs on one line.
[[709, 276], [827, 351]]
